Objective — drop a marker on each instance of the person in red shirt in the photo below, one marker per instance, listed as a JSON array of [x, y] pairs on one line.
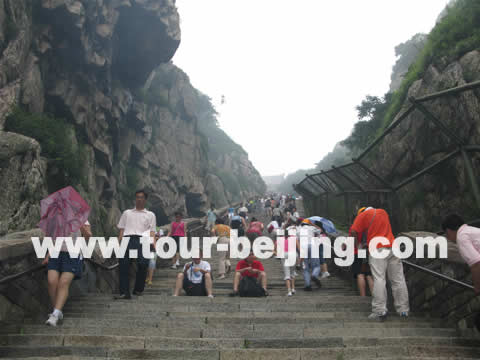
[[371, 223], [249, 267], [255, 229]]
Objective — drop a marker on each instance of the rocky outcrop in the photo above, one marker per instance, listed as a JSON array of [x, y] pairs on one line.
[[87, 62], [22, 181], [417, 142], [406, 54]]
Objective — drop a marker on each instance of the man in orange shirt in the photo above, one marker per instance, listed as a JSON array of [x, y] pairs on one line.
[[373, 223]]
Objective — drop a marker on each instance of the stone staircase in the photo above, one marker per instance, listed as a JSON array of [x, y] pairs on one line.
[[328, 323]]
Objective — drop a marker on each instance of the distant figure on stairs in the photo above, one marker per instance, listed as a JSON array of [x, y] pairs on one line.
[[222, 231], [152, 264], [468, 242], [178, 229], [211, 217], [268, 208], [238, 223], [311, 263], [290, 237], [255, 229]]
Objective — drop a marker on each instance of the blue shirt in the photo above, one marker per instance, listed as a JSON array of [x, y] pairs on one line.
[[211, 216]]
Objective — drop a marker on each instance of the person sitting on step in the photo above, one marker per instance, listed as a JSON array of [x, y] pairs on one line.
[[250, 278], [196, 279]]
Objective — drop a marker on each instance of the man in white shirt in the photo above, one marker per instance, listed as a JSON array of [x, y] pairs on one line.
[[196, 279], [133, 223], [243, 209]]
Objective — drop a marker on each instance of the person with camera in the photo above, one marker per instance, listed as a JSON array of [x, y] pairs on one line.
[[196, 279]]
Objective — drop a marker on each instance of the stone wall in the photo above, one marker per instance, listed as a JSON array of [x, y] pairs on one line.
[[455, 304], [28, 295]]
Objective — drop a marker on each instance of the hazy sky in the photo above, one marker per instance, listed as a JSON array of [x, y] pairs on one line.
[[292, 72]]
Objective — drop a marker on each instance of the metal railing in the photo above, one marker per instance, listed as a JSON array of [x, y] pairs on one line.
[[447, 279], [438, 275], [37, 268], [357, 181]]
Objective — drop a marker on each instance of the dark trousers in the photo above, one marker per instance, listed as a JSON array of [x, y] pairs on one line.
[[124, 267]]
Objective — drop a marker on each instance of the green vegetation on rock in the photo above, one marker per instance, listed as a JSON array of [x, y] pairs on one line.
[[57, 140]]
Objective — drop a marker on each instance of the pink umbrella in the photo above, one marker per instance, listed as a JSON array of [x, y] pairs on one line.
[[63, 213]]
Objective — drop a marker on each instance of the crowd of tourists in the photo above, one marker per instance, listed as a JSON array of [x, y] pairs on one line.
[[250, 277]]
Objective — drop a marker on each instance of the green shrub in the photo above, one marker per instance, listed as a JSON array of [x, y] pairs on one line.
[[54, 138], [456, 34]]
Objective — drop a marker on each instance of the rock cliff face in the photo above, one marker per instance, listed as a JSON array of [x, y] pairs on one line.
[[406, 54], [87, 62], [417, 143]]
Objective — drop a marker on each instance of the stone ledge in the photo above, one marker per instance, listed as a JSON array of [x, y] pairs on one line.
[[453, 253], [18, 244]]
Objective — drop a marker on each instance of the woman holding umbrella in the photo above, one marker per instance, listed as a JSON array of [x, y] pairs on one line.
[[64, 214]]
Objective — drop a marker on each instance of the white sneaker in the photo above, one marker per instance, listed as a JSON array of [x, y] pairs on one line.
[[177, 263], [211, 296], [289, 293], [52, 320], [221, 277], [174, 267], [294, 291], [325, 275], [377, 317]]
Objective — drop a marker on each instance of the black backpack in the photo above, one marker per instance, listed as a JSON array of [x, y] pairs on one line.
[[249, 287], [236, 224]]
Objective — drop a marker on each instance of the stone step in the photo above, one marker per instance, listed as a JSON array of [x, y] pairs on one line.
[[155, 299], [142, 322], [185, 327], [329, 351], [231, 307], [216, 330], [328, 323], [158, 342]]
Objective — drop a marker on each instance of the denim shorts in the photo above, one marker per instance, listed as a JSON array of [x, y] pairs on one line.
[[64, 263]]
